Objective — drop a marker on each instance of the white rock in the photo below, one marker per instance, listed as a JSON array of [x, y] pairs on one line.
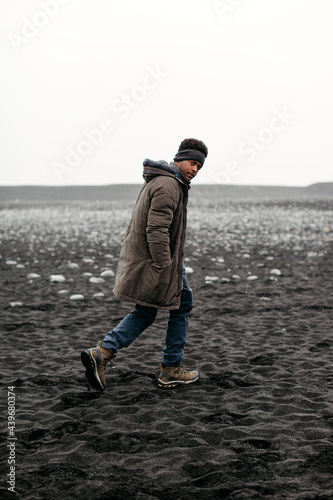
[[188, 270], [33, 276], [97, 295], [269, 258], [63, 292], [252, 277], [87, 274], [211, 279], [87, 260], [11, 262], [109, 256], [236, 277], [220, 260], [20, 266], [265, 299], [57, 278], [260, 264], [73, 265], [275, 272], [77, 296], [96, 280], [246, 256], [16, 304], [225, 280], [108, 273]]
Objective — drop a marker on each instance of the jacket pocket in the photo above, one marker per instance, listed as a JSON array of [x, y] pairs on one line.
[[157, 268], [160, 283]]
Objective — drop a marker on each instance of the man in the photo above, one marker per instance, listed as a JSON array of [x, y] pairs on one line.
[[151, 267]]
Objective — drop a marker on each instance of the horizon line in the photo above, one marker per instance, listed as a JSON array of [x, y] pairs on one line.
[[139, 184]]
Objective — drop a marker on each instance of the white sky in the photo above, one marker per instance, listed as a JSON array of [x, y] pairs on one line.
[[224, 72]]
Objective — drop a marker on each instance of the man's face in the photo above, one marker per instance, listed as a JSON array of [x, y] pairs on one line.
[[189, 168]]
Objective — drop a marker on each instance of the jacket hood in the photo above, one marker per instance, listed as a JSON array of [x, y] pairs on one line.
[[153, 168]]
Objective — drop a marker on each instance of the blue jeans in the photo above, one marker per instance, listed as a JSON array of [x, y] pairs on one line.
[[142, 317]]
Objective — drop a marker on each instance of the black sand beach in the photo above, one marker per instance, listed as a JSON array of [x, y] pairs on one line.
[[258, 425]]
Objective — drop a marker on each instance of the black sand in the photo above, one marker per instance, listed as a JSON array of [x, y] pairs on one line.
[[258, 425]]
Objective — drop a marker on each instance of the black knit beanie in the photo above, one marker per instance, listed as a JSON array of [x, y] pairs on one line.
[[190, 154]]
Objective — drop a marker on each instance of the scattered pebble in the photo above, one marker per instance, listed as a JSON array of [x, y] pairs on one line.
[[98, 295], [236, 277], [211, 279], [33, 276], [78, 296], [73, 265], [266, 299], [63, 292], [188, 270], [96, 280], [246, 256], [220, 260], [275, 272], [57, 278], [16, 304], [312, 254], [20, 266], [109, 256], [269, 258], [225, 280], [87, 274], [87, 260], [108, 273], [11, 262], [252, 277]]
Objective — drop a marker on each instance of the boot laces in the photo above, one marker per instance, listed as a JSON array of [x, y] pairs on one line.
[[181, 371]]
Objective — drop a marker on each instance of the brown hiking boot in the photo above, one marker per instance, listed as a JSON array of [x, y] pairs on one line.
[[171, 376], [95, 360]]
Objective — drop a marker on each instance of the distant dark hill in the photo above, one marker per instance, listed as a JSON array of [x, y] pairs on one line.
[[237, 192], [129, 192], [321, 189], [114, 192]]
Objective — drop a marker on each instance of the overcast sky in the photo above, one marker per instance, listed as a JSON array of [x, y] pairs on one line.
[[89, 88]]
